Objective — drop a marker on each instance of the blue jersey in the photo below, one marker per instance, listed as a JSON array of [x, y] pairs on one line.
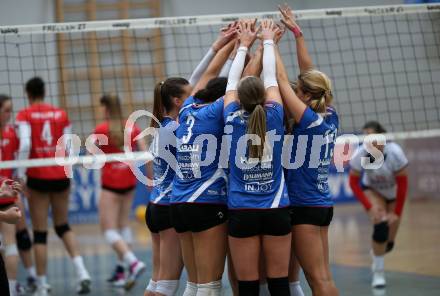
[[312, 153], [198, 177], [163, 148], [255, 184]]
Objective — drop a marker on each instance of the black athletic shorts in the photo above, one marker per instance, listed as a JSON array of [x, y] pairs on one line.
[[119, 190], [158, 217], [196, 217], [48, 186], [247, 223], [319, 216], [387, 201]]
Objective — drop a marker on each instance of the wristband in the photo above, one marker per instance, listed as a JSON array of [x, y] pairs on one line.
[[297, 31]]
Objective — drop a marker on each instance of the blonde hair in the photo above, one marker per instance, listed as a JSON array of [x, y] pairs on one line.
[[251, 94], [319, 87], [116, 121]]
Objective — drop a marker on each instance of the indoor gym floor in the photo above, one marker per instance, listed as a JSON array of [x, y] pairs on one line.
[[413, 268]]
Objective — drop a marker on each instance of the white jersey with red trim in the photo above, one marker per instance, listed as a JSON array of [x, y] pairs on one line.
[[383, 179]]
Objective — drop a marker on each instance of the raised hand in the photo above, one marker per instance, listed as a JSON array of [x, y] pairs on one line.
[[288, 18], [279, 32], [268, 29], [247, 32], [225, 35]]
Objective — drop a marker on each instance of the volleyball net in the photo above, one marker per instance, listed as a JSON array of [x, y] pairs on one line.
[[384, 62]]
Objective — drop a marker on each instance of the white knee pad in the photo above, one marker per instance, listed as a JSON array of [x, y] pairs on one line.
[[151, 286], [11, 250], [127, 235], [190, 289], [112, 236], [209, 289], [167, 287]]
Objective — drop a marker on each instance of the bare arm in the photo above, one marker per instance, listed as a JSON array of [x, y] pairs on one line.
[[304, 60], [291, 102], [214, 67], [225, 35], [255, 65]]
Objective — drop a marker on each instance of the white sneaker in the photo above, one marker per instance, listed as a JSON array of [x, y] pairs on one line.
[[378, 280], [135, 270], [43, 290]]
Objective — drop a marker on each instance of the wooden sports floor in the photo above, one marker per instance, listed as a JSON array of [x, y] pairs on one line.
[[412, 269]]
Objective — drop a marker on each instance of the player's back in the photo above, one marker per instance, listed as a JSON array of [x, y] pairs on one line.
[[47, 125]]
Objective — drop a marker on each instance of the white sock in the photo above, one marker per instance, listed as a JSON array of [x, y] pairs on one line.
[[41, 280], [378, 263], [209, 289], [295, 289], [190, 289], [130, 258], [151, 286], [167, 287], [264, 290], [12, 284], [127, 235], [81, 270], [31, 272]]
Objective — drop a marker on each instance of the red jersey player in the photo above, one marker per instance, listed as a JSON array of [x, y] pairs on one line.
[[39, 127], [118, 184]]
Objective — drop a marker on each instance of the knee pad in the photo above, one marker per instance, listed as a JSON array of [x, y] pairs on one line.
[[380, 232], [278, 286], [40, 237], [390, 246], [11, 250], [127, 235], [151, 286], [190, 289], [248, 288], [208, 289], [167, 288], [24, 242], [62, 229], [112, 236]]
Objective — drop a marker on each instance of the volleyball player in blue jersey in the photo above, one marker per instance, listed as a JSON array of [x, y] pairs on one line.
[[169, 97], [259, 216], [309, 104]]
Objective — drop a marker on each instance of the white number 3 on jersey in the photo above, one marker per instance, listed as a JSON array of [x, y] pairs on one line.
[[46, 133]]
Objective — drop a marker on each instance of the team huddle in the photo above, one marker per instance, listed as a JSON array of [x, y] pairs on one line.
[[220, 190]]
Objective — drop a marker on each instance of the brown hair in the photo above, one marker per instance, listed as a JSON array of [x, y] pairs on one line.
[[3, 99], [164, 91], [251, 94], [319, 87], [116, 121]]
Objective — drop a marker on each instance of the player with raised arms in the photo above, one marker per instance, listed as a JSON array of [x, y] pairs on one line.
[[259, 218], [309, 104], [39, 127], [382, 192], [169, 97], [15, 236], [118, 184], [198, 207]]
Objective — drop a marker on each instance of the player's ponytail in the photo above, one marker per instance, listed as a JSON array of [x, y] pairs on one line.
[[112, 105], [157, 105], [257, 126], [316, 84], [251, 94], [164, 94]]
